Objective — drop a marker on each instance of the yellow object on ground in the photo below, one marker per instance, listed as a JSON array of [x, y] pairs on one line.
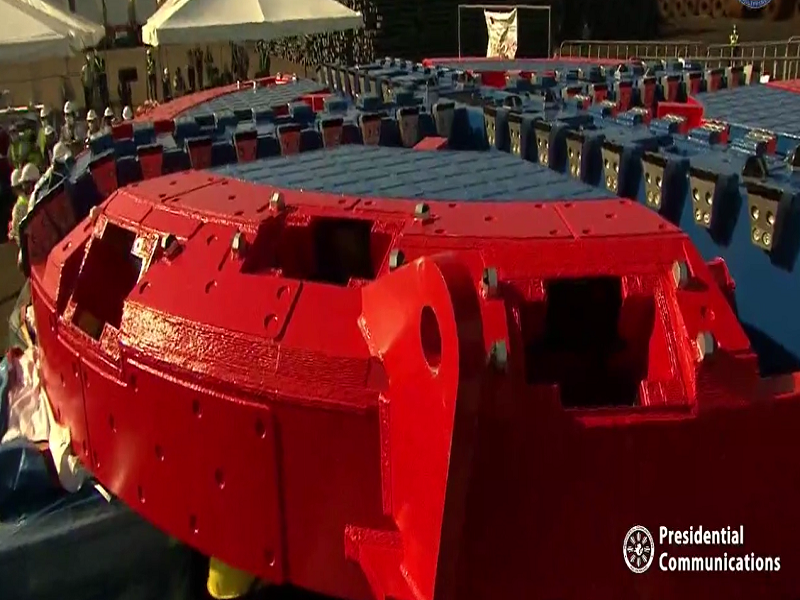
[[225, 582]]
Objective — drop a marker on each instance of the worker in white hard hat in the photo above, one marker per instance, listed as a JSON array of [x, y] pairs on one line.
[[49, 137], [108, 119], [61, 153], [127, 114], [68, 129], [92, 126], [16, 177], [28, 178]]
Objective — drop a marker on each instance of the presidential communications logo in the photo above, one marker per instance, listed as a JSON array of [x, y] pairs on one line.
[[755, 4], [639, 551]]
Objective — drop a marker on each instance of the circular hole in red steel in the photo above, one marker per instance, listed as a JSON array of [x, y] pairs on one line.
[[193, 524], [262, 208], [554, 232], [111, 425], [661, 226], [132, 382], [439, 231], [431, 338], [282, 290], [623, 202], [452, 205], [538, 205], [173, 182], [197, 410], [342, 201], [488, 218], [162, 195], [210, 286], [232, 197], [270, 320], [143, 286], [219, 478], [568, 205], [212, 179], [368, 203], [586, 231], [159, 452], [66, 246], [224, 181], [238, 213], [211, 239], [261, 431], [140, 494], [269, 557], [611, 216]]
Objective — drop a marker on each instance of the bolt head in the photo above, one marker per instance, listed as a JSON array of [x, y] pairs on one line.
[[238, 243], [168, 241], [422, 210], [498, 355], [94, 213], [396, 259], [680, 273], [489, 281], [276, 202], [706, 344]]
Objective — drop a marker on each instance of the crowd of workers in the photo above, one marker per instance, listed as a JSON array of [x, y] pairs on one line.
[[29, 150]]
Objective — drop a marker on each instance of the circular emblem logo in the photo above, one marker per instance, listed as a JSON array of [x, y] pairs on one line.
[[755, 4], [638, 549]]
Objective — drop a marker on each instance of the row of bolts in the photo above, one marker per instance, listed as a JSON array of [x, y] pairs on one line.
[[498, 355]]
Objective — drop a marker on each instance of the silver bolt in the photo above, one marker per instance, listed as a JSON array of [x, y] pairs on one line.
[[94, 213], [238, 244], [238, 85], [680, 273], [396, 259], [276, 203], [422, 211], [498, 355], [138, 246], [706, 344], [169, 245], [255, 86], [489, 282]]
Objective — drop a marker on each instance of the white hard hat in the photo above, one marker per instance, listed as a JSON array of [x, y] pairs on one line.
[[68, 108], [166, 71], [91, 115], [30, 174], [48, 130], [44, 113], [61, 151], [127, 113], [16, 177], [108, 112]]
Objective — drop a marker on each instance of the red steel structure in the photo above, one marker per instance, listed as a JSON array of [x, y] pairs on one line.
[[393, 400]]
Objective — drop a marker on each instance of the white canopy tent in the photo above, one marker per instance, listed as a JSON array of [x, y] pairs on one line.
[[33, 30], [117, 12], [212, 21]]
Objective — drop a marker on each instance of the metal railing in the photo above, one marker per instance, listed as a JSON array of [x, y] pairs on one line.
[[781, 60]]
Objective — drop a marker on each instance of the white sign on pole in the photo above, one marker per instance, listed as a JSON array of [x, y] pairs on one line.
[[502, 30]]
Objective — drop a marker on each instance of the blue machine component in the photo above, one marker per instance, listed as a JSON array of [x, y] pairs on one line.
[[556, 135]]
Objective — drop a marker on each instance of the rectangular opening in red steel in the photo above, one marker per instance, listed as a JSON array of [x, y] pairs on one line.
[[589, 341], [108, 275], [324, 249]]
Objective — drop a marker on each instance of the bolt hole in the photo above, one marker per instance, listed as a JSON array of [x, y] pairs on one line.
[[238, 213], [143, 286], [452, 205], [159, 452], [623, 202], [270, 320], [193, 524], [554, 232], [173, 182], [211, 239], [439, 231], [262, 208], [219, 478], [197, 410], [610, 216], [538, 205], [66, 246], [132, 382], [140, 494], [342, 201], [210, 286], [111, 424], [431, 338], [282, 290], [162, 195], [232, 197], [568, 205], [261, 430], [488, 218], [368, 203], [661, 226], [586, 231]]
